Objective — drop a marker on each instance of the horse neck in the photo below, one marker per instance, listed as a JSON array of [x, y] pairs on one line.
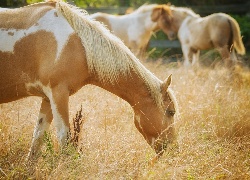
[[180, 16], [144, 18], [132, 89]]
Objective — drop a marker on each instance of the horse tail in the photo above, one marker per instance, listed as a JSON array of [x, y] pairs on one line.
[[236, 39]]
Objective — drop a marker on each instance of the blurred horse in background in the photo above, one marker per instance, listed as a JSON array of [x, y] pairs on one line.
[[135, 28], [196, 33], [3, 9], [52, 49]]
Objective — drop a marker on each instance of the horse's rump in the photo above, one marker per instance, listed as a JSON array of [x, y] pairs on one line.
[[225, 30], [237, 39]]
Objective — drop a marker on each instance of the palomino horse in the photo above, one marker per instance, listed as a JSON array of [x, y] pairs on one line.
[[52, 49], [195, 33], [135, 29]]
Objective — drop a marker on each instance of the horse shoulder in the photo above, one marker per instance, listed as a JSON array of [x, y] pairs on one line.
[[184, 30]]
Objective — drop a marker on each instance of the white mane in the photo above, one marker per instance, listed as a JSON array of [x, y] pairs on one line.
[[111, 58]]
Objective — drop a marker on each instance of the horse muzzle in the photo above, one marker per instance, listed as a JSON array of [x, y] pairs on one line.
[[163, 142], [160, 146]]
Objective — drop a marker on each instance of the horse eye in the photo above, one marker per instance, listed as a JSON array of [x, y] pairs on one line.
[[171, 113]]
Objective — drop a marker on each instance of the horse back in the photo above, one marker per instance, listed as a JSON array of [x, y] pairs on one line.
[[117, 24], [102, 17]]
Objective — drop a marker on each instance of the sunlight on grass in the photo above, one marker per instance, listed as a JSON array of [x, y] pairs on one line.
[[213, 133]]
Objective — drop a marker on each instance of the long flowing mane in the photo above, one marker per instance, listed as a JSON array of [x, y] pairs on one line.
[[111, 58]]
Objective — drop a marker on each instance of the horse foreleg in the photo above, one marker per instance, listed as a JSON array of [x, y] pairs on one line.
[[43, 123], [186, 54], [195, 60], [59, 105]]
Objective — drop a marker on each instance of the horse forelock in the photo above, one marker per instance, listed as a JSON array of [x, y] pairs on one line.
[[112, 59]]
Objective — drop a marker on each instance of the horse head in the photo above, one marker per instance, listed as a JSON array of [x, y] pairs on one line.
[[162, 15], [156, 123]]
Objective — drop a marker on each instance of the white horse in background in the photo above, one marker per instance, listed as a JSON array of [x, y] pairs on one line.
[[135, 29], [3, 9], [197, 33]]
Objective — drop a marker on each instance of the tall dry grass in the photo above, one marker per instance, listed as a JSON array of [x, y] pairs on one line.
[[213, 133]]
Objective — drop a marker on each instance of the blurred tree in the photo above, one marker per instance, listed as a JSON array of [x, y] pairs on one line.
[[33, 1], [3, 3], [126, 3], [96, 3], [12, 3]]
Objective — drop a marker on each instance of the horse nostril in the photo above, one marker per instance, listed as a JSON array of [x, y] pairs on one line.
[[160, 146]]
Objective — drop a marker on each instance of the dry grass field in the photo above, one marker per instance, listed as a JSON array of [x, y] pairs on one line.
[[213, 133]]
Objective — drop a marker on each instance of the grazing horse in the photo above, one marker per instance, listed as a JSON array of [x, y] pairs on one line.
[[135, 29], [52, 49], [197, 33]]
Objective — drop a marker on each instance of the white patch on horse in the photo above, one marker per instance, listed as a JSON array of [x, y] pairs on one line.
[[61, 128], [39, 86], [41, 126], [137, 30], [12, 36]]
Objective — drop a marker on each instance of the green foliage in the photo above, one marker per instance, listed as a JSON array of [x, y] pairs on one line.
[[202, 2], [33, 1], [95, 3], [52, 158], [124, 3], [48, 144]]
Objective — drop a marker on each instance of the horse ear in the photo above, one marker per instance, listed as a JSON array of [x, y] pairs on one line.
[[166, 83], [156, 13]]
